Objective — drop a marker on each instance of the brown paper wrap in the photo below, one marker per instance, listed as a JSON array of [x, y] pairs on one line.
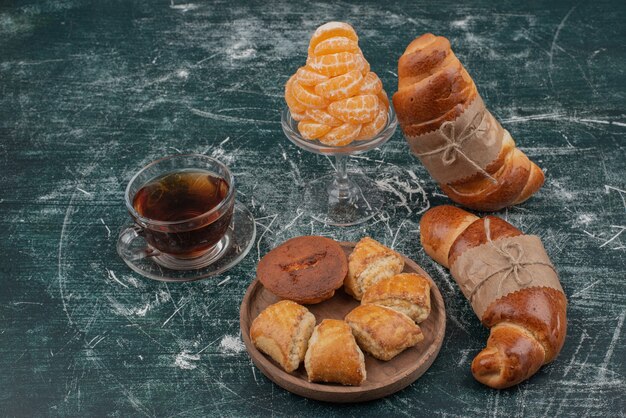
[[497, 268], [460, 148]]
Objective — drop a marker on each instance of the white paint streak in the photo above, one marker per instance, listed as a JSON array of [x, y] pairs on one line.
[[107, 228], [267, 228], [254, 375], [113, 277], [395, 237], [97, 342], [226, 280], [231, 345], [560, 117], [461, 23], [622, 228], [226, 118], [609, 351], [571, 363], [621, 192], [463, 359], [586, 218], [290, 224], [554, 39], [174, 313], [60, 275], [186, 361], [142, 311], [185, 7], [583, 290]]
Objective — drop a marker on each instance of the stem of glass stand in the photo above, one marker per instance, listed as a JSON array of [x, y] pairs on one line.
[[342, 184]]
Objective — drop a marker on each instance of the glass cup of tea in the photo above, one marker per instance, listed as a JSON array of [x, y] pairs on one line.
[[185, 218]]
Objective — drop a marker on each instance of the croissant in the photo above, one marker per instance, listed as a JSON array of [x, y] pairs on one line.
[[511, 285], [474, 160]]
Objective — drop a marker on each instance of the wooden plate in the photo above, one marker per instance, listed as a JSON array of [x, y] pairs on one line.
[[383, 377]]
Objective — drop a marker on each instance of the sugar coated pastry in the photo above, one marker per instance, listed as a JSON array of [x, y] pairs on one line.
[[282, 331], [335, 97], [408, 293], [383, 332], [369, 263], [334, 356]]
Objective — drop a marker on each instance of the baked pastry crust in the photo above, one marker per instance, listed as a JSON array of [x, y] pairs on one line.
[[305, 269], [528, 326], [370, 262], [408, 293], [435, 88], [282, 331], [439, 229], [334, 356], [383, 332]]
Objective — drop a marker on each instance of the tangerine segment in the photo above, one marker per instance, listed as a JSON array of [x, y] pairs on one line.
[[336, 44], [341, 135], [294, 105], [333, 65], [370, 129], [306, 97], [340, 87], [382, 96], [371, 84], [365, 66], [331, 30], [312, 130], [308, 77], [321, 116], [357, 109], [298, 116]]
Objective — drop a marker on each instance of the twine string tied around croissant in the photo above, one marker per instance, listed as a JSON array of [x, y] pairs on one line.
[[454, 143], [515, 264]]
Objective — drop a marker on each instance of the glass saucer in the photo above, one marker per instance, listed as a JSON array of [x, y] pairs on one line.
[[340, 199], [231, 249]]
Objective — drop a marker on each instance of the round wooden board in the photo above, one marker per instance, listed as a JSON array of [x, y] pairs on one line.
[[383, 377]]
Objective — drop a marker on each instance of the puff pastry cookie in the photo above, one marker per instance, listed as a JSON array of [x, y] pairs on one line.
[[334, 356], [383, 332], [282, 331], [408, 293], [369, 263]]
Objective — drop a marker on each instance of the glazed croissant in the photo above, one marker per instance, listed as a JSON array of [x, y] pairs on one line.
[[474, 160], [511, 285]]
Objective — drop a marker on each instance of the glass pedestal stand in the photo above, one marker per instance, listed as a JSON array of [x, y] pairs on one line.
[[340, 199]]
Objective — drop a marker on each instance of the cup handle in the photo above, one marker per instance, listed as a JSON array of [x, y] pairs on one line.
[[130, 249]]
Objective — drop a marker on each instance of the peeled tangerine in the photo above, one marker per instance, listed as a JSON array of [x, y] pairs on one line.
[[335, 97]]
